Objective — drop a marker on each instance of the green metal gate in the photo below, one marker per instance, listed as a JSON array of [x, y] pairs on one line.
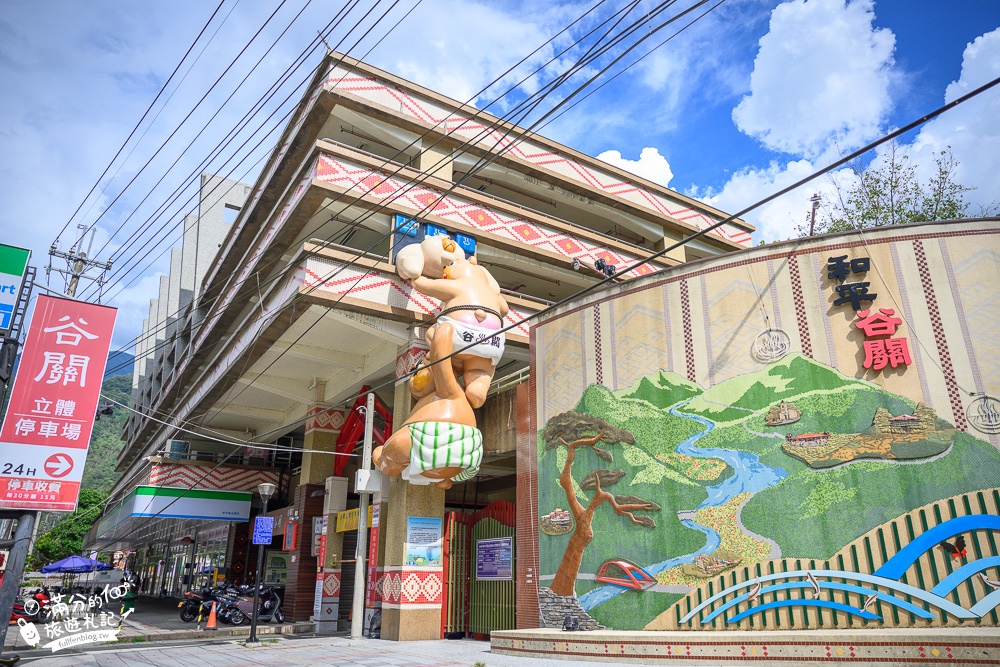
[[472, 606]]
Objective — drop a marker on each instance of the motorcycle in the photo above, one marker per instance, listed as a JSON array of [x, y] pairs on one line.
[[241, 610], [35, 609], [197, 604]]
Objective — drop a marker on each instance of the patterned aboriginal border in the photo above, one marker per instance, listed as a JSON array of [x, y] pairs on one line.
[[409, 360], [224, 478], [828, 648], [322, 418], [330, 598], [800, 306], [483, 132], [708, 265], [364, 181], [598, 366], [411, 588], [954, 393], [688, 340], [334, 277]]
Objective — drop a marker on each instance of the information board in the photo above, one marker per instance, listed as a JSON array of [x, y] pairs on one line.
[[263, 529], [495, 559], [423, 541]]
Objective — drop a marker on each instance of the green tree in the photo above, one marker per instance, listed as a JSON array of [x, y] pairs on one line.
[[66, 538], [891, 194], [106, 440]]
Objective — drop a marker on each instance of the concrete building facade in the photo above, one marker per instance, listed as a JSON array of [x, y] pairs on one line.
[[269, 326]]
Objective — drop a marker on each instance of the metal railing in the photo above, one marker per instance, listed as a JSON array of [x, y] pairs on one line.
[[508, 381]]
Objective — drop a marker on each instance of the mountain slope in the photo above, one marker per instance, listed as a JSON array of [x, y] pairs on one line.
[[791, 376], [662, 389], [106, 443]]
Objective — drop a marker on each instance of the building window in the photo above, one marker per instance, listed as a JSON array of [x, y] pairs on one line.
[[229, 214]]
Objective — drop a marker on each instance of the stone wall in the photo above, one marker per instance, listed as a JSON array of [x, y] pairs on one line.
[[554, 608]]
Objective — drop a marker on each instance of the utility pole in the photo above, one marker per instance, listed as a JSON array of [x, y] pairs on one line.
[[78, 262], [358, 606], [15, 568], [812, 218]]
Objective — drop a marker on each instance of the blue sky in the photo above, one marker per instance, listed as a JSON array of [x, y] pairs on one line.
[[751, 97]]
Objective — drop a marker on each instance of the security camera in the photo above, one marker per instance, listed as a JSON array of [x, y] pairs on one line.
[[576, 264]]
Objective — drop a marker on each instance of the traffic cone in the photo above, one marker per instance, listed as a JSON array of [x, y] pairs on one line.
[[211, 619]]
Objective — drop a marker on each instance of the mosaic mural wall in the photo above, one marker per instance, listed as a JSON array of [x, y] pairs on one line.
[[798, 435]]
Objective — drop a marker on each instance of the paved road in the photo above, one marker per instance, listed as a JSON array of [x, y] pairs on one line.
[[295, 652]]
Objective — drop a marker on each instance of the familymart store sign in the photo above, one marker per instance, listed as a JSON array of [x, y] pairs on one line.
[[13, 265], [167, 502]]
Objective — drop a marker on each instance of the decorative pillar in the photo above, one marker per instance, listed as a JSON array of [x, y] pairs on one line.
[[411, 594], [436, 163], [322, 429], [409, 356], [336, 501]]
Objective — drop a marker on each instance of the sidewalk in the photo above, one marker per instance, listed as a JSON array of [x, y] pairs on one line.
[[295, 652], [158, 619]]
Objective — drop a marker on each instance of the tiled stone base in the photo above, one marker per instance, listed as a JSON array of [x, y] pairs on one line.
[[939, 646]]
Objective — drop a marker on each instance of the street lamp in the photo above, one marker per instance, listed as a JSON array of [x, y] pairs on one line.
[[266, 490]]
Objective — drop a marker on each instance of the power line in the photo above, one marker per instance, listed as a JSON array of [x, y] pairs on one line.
[[399, 167], [803, 181], [484, 132], [138, 124], [390, 232], [491, 157], [205, 126], [247, 117], [704, 231], [185, 119]]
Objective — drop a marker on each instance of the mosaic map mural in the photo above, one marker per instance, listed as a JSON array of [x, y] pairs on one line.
[[784, 493]]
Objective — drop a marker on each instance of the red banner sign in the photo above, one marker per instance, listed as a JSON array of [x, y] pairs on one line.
[[370, 597], [46, 431]]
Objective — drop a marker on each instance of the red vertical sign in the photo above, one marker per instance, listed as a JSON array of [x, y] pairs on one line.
[[373, 555], [46, 432]]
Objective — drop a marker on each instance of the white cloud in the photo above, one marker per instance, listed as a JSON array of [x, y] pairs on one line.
[[651, 165], [776, 220], [970, 129], [822, 76], [464, 45], [664, 73]]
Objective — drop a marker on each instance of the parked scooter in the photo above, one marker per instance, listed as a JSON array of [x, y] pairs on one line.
[[269, 607], [228, 611], [202, 602], [35, 609]]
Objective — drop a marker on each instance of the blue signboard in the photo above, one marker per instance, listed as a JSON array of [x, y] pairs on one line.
[[405, 225], [466, 243], [263, 529], [495, 559], [430, 229]]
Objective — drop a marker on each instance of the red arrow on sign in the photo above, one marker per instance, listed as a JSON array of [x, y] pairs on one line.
[[58, 465]]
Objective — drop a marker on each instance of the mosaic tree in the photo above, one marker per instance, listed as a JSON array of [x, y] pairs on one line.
[[575, 430]]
